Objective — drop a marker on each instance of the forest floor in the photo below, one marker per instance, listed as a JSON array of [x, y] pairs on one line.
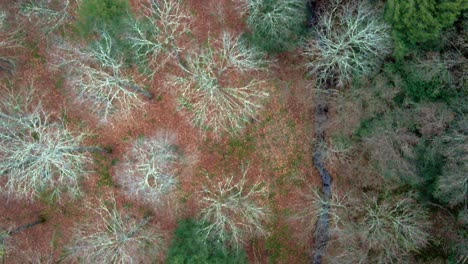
[[276, 148]]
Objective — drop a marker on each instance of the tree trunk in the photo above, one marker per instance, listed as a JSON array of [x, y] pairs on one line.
[[137, 89], [7, 65], [24, 227], [182, 62], [92, 149]]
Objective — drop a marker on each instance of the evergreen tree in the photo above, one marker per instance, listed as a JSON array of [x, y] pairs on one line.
[[420, 22], [189, 246]]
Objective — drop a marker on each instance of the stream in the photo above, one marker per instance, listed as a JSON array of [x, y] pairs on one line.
[[321, 234]]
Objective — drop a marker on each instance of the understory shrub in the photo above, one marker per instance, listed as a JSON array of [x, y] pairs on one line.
[[97, 15], [189, 246], [424, 80]]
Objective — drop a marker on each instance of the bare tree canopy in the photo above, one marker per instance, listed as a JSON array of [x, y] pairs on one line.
[[99, 78], [349, 39], [213, 93], [234, 210], [156, 33], [148, 173], [116, 237], [36, 153]]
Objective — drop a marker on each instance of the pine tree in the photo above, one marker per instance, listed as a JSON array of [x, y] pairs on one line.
[[420, 22]]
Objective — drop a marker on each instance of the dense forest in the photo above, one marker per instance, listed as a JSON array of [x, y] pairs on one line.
[[233, 131]]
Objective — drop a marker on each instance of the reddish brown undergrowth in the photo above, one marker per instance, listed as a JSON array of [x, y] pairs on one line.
[[275, 147]]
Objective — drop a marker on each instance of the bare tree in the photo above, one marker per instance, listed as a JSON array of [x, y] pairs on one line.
[[3, 16], [234, 210], [313, 207], [116, 237], [100, 78], [376, 230], [4, 248], [452, 185], [8, 40], [395, 228], [148, 173], [154, 36], [275, 24], [348, 39], [36, 153], [45, 16], [213, 92]]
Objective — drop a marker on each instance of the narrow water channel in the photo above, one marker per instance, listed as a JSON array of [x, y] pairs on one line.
[[321, 235]]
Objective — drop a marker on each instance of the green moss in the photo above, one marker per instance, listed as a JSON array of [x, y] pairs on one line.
[[59, 82], [33, 46], [279, 243], [103, 169], [240, 147]]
